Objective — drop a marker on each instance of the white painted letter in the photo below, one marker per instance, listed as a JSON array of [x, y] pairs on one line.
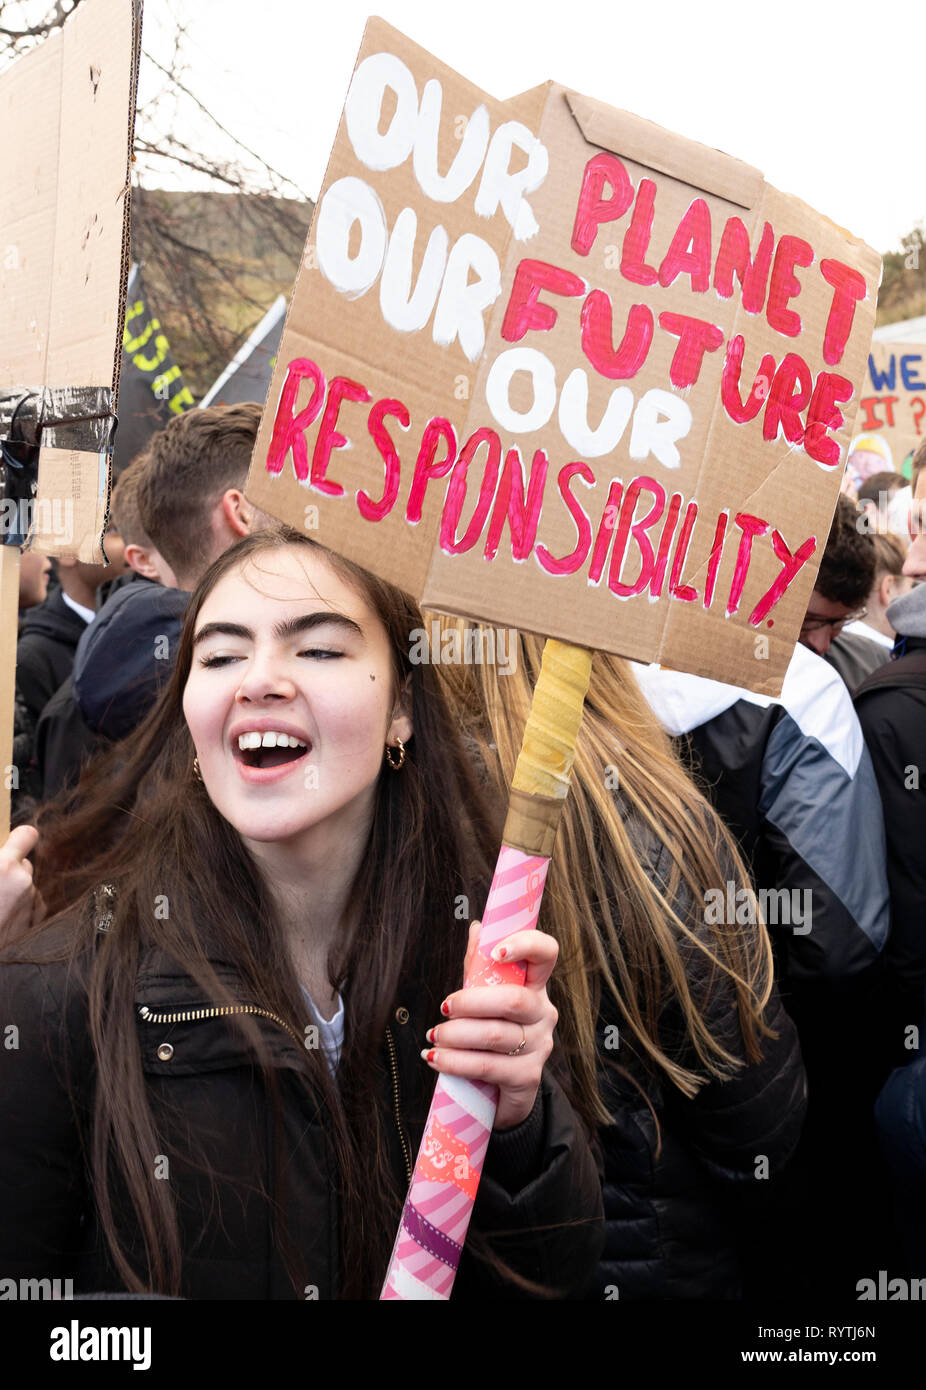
[[573, 417], [346, 202], [446, 188], [461, 304], [543, 377], [498, 186], [402, 309], [658, 421], [364, 106]]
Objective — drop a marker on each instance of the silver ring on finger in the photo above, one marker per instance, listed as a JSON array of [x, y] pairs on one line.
[[521, 1045]]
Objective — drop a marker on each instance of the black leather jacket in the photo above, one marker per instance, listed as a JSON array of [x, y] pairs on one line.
[[202, 1083]]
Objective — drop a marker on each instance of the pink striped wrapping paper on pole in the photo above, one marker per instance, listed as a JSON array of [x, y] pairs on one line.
[[440, 1200], [446, 1176]]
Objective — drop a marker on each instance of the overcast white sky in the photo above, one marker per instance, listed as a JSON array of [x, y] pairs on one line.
[[826, 97]]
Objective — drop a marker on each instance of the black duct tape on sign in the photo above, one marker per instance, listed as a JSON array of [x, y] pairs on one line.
[[59, 417], [72, 418]]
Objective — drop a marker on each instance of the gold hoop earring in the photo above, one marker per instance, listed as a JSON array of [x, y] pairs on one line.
[[401, 747], [196, 772]]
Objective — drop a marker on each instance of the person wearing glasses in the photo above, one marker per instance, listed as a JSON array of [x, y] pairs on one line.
[[846, 579], [819, 632]]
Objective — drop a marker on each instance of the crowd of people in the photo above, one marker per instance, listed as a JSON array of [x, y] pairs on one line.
[[251, 838]]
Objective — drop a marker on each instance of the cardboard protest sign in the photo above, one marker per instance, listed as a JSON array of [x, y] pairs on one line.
[[893, 402], [67, 113], [151, 386], [551, 366]]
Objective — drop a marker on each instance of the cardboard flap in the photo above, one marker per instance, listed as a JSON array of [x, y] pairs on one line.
[[649, 144]]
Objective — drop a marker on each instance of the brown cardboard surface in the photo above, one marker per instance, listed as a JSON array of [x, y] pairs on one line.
[[66, 111], [395, 201], [74, 521], [893, 402], [9, 606]]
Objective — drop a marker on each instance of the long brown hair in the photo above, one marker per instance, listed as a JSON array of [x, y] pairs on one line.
[[616, 923], [138, 820]]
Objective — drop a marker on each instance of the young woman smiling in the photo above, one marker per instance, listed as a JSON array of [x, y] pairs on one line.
[[229, 1038]]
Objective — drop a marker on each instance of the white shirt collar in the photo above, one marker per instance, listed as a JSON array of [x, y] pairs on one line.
[[88, 614]]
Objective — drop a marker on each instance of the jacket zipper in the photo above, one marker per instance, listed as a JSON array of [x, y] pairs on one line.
[[222, 1010], [214, 1011], [395, 1105]]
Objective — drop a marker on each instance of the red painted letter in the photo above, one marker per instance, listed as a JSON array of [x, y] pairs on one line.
[[665, 542], [425, 467], [690, 250], [524, 311], [849, 287], [289, 430], [676, 588], [790, 566], [750, 526], [784, 403], [598, 344], [792, 251], [375, 511], [638, 530], [605, 530], [522, 512], [695, 339], [571, 562], [592, 209], [742, 411], [713, 563], [636, 242], [823, 414], [341, 389], [456, 493], [733, 256]]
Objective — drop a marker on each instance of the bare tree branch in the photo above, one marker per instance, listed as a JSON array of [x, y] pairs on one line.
[[213, 261], [212, 171], [175, 81], [56, 17]]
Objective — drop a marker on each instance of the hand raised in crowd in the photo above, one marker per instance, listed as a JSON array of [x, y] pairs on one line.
[[21, 903], [501, 1034]]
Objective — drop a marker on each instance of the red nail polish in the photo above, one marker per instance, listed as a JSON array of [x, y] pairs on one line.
[[502, 952], [445, 1008], [431, 1054]]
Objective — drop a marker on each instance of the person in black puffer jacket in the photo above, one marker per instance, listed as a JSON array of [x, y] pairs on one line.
[[51, 630], [679, 1047]]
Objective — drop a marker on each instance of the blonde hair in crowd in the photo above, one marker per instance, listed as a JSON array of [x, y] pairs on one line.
[[617, 928]]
